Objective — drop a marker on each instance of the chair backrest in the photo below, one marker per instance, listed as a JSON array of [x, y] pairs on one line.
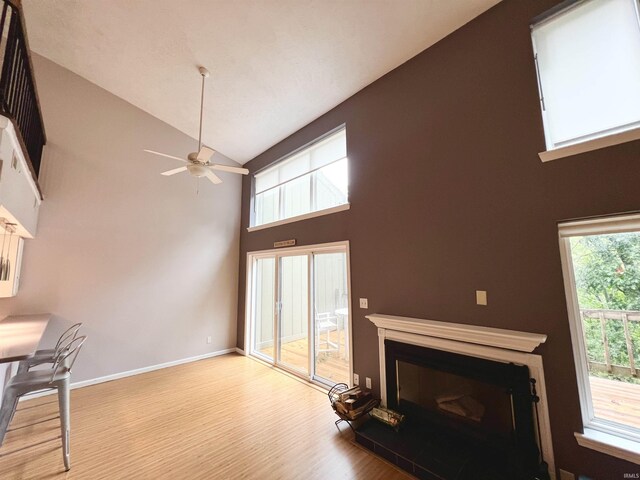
[[68, 336], [67, 357]]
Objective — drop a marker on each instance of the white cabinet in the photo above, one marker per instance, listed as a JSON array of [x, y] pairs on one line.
[[19, 195], [20, 201], [10, 264]]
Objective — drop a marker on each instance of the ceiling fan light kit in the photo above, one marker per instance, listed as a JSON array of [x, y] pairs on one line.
[[199, 163], [197, 170]]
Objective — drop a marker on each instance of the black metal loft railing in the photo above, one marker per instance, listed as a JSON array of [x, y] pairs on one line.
[[18, 95]]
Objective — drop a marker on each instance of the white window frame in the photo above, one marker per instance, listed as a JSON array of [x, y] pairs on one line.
[[590, 142], [599, 434], [313, 173], [249, 331]]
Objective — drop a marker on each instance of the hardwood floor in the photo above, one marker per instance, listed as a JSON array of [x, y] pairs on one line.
[[227, 417]]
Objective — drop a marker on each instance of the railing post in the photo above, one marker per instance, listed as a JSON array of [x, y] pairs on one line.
[[605, 342], [584, 337], [627, 338]]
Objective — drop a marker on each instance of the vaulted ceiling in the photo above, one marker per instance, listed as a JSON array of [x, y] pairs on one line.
[[276, 64]]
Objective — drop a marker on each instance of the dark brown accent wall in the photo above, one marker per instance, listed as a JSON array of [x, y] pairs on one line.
[[448, 196]]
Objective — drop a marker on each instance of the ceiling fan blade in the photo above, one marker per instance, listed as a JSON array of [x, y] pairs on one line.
[[213, 177], [205, 154], [227, 168], [174, 171], [165, 155]]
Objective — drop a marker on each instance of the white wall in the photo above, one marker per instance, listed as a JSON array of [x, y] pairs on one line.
[[149, 264]]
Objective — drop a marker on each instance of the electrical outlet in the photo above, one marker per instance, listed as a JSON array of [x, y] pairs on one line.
[[356, 379], [209, 339], [564, 475], [364, 303], [368, 380]]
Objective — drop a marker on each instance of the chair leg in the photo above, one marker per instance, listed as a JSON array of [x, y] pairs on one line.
[[65, 427], [9, 404]]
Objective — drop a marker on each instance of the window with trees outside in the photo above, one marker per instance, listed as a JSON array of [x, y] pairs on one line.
[[601, 264], [314, 179], [588, 61]]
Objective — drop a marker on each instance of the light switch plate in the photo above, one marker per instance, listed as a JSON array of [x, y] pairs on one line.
[[481, 297], [368, 380], [364, 303], [356, 379]]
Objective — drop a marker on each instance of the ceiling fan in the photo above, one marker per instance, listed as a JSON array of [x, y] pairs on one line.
[[199, 163]]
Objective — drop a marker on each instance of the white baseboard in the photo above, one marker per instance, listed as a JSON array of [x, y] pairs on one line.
[[137, 371], [241, 351]]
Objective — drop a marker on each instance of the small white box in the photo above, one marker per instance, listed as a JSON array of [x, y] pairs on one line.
[[481, 297]]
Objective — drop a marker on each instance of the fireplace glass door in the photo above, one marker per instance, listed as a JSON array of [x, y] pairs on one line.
[[469, 402], [299, 317]]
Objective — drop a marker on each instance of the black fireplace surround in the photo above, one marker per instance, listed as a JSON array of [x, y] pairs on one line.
[[467, 418]]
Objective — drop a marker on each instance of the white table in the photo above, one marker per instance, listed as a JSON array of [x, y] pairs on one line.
[[20, 336]]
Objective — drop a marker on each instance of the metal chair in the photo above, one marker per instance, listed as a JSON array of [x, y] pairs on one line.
[[58, 377], [49, 355], [326, 322]]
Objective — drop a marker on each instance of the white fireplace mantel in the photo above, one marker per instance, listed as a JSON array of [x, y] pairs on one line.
[[494, 344], [494, 337]]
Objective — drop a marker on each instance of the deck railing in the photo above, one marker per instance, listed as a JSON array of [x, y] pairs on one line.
[[615, 330], [18, 94]]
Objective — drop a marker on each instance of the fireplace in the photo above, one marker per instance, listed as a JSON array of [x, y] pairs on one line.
[[467, 396]]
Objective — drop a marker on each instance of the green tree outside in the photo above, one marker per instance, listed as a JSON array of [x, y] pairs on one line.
[[607, 275]]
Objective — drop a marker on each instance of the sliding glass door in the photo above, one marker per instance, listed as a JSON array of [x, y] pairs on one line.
[[264, 310], [298, 311], [293, 347], [331, 313]]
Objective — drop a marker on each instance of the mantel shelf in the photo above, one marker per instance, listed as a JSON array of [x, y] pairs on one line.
[[494, 337]]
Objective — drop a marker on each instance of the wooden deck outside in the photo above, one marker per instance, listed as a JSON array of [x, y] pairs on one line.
[[333, 366], [616, 401]]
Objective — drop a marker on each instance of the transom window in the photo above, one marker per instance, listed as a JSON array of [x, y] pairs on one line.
[[311, 180], [601, 265], [588, 61]]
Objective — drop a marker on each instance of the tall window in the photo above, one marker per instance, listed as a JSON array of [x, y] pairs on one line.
[[601, 263], [311, 180], [588, 61]]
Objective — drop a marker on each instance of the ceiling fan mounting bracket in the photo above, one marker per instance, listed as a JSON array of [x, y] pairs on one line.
[[204, 72]]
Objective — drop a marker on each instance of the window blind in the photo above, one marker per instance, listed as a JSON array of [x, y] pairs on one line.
[[322, 153], [588, 60]]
